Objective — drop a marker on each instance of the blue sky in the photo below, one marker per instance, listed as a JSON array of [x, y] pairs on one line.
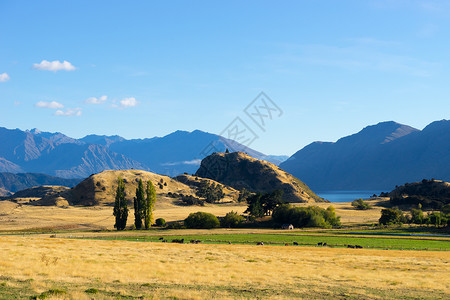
[[147, 68]]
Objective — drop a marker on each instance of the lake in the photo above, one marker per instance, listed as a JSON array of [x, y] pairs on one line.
[[346, 196]]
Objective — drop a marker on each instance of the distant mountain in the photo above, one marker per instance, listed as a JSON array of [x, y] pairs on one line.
[[240, 170], [59, 155], [56, 154], [378, 157], [17, 182]]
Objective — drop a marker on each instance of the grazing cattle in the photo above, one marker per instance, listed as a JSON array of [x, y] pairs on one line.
[[324, 244], [319, 244], [287, 244], [260, 244], [229, 243], [358, 246], [350, 246], [295, 243], [178, 241], [161, 238], [195, 241]]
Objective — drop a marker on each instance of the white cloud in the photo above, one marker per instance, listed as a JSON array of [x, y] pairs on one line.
[[4, 77], [128, 102], [94, 100], [55, 65], [52, 105], [195, 162], [69, 112]]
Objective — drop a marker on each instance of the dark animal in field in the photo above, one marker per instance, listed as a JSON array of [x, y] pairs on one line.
[[324, 244], [178, 241], [321, 244], [260, 244], [164, 241], [195, 241], [229, 243], [161, 238], [350, 246], [358, 246], [295, 243], [287, 244]]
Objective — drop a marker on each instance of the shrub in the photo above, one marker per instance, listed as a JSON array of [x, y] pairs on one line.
[[231, 219], [311, 216], [91, 291], [160, 222], [175, 225], [201, 220], [361, 204]]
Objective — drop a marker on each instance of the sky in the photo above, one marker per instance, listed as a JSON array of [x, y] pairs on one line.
[[141, 69]]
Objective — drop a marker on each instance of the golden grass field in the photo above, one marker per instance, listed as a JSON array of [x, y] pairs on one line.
[[33, 264], [29, 217], [156, 270]]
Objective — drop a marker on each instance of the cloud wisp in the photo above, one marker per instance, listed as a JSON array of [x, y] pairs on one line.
[[54, 66], [70, 112], [95, 100], [128, 102], [4, 77], [51, 105]]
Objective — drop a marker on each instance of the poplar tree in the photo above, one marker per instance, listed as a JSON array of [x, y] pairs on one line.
[[120, 206], [149, 204], [139, 205]]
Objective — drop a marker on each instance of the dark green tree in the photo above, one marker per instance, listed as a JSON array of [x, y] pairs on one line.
[[149, 204], [255, 207], [361, 204], [417, 216], [139, 205], [120, 206], [391, 216], [231, 219]]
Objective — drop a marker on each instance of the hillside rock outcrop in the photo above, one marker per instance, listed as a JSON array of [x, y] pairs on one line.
[[240, 170]]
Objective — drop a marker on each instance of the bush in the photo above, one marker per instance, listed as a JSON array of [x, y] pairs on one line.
[[91, 291], [175, 225], [231, 219], [201, 220], [160, 222], [391, 216], [311, 216], [361, 204]]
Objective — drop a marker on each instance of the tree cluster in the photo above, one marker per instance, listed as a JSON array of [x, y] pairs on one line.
[[311, 216], [260, 205], [391, 216], [144, 203], [211, 192]]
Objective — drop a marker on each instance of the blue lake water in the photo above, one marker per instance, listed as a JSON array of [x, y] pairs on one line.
[[346, 196]]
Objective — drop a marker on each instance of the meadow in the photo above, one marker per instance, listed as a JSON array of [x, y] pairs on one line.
[[74, 253], [102, 269]]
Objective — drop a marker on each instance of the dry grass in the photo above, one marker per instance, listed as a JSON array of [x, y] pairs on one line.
[[219, 271], [29, 217]]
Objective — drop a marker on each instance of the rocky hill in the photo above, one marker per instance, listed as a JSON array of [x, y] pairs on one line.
[[378, 157], [240, 170], [430, 194]]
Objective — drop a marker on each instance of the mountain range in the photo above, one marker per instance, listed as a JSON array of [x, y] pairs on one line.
[[59, 155], [379, 157]]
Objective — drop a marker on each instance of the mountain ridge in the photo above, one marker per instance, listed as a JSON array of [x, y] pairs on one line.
[[377, 157]]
